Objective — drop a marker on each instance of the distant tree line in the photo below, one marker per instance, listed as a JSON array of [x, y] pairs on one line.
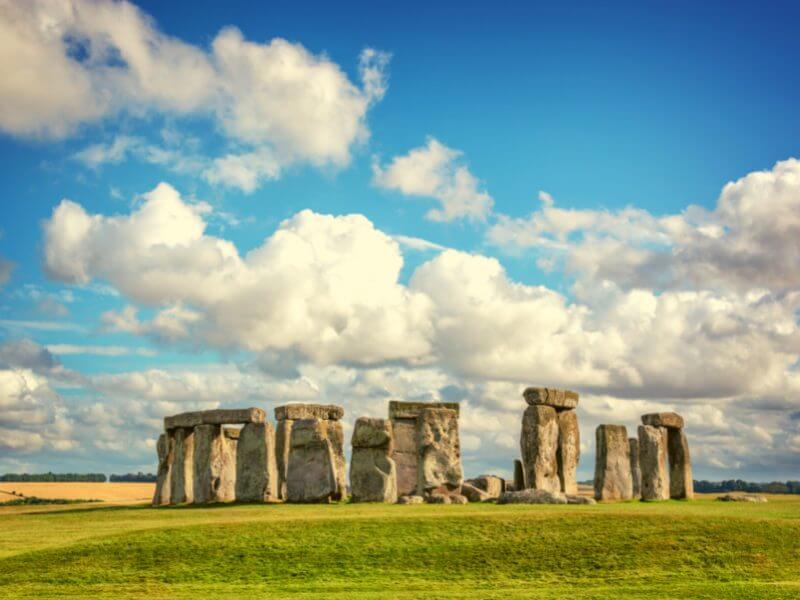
[[134, 478], [58, 477], [737, 485]]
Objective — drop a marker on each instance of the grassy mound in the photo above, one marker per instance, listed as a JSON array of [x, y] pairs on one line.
[[702, 549]]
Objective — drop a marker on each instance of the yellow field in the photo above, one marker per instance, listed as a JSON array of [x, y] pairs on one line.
[[117, 493]]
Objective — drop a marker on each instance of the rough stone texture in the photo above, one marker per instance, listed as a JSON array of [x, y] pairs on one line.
[[653, 462], [531, 496], [612, 473], [336, 439], [405, 455], [681, 485], [474, 493], [539, 445], [226, 416], [558, 399], [742, 498], [458, 499], [636, 471], [312, 470], [256, 466], [283, 434], [232, 433], [410, 410], [439, 449], [569, 450], [182, 478], [519, 475], [373, 474], [665, 419], [438, 499], [491, 484], [214, 465], [575, 499], [293, 412], [410, 500], [163, 477]]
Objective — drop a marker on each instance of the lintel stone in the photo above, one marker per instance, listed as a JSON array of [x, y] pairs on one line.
[[220, 416], [295, 412], [669, 420], [558, 399], [411, 410]]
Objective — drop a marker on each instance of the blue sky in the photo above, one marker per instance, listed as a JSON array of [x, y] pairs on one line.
[[542, 199]]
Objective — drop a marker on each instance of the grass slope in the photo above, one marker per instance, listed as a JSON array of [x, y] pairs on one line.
[[702, 549]]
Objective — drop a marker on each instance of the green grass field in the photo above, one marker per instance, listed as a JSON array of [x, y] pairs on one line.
[[700, 549]]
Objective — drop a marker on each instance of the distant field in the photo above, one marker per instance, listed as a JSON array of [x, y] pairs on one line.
[[107, 492], [702, 549]]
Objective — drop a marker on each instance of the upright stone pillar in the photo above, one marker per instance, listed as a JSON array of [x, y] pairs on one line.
[[405, 452], [439, 452], [636, 471], [165, 449], [214, 465], [373, 474], [519, 476], [612, 472], [653, 460], [182, 480], [539, 445], [681, 484], [311, 473], [256, 467]]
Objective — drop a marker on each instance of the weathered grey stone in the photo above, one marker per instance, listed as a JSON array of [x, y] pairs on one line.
[[519, 475], [664, 419], [439, 449], [612, 473], [372, 433], [214, 465], [411, 410], [294, 412], [636, 471], [405, 455], [458, 499], [558, 399], [438, 499], [742, 498], [539, 445], [576, 499], [283, 434], [569, 450], [336, 438], [491, 484], [531, 496], [182, 478], [221, 416], [164, 449], [653, 462], [256, 465], [410, 500], [474, 493], [681, 485], [312, 471]]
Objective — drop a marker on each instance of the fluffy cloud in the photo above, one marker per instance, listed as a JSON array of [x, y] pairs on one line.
[[74, 62], [750, 240], [436, 171]]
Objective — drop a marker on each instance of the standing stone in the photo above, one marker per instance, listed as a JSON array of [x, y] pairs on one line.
[[569, 451], [373, 474], [539, 444], [653, 461], [182, 479], [311, 475], [164, 448], [214, 465], [636, 471], [680, 474], [336, 439], [283, 436], [256, 467], [612, 473], [439, 450], [519, 475]]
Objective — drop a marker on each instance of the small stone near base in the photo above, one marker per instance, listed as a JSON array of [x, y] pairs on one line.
[[411, 500], [473, 493], [575, 499], [531, 496], [742, 498]]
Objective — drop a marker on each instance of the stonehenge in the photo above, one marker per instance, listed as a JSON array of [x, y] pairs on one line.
[[550, 441], [411, 457]]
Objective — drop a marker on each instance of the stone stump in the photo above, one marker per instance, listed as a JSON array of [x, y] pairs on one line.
[[214, 465], [612, 473], [636, 471], [256, 466], [164, 448], [312, 470], [182, 480], [539, 445], [373, 473], [653, 461], [569, 451], [439, 451]]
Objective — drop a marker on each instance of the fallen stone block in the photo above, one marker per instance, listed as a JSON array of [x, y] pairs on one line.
[[558, 399], [612, 474], [221, 416], [539, 446], [742, 498], [576, 499], [410, 500], [491, 484], [664, 419], [475, 494], [531, 496]]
